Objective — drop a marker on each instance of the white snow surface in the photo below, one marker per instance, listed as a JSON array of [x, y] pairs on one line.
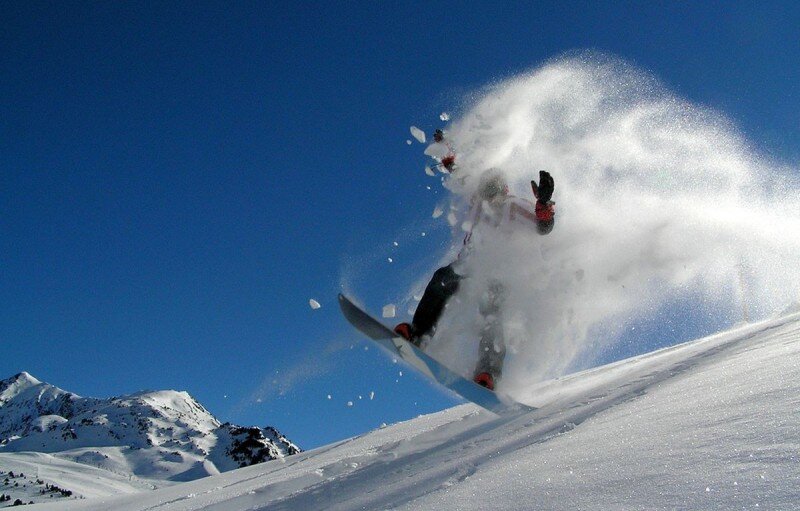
[[81, 478], [711, 424]]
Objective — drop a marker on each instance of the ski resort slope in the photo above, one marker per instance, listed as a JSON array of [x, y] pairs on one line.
[[711, 424], [80, 478]]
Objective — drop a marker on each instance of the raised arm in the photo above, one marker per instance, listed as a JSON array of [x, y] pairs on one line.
[[545, 208]]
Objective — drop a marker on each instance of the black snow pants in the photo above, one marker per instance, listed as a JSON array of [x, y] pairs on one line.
[[443, 285]]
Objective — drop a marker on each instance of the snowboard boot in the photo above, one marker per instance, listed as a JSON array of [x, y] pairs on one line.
[[407, 332], [484, 380]]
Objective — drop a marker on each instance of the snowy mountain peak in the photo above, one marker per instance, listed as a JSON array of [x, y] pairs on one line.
[[25, 377], [18, 383], [153, 435], [24, 400], [178, 401]]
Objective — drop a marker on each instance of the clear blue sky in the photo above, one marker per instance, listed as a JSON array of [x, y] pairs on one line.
[[177, 180]]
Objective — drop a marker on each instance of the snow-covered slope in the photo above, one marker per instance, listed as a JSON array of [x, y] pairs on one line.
[[713, 424], [149, 439]]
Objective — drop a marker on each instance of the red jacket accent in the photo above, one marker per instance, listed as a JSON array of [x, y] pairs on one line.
[[545, 212], [449, 162]]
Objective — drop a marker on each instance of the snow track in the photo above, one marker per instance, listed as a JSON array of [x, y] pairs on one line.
[[710, 424]]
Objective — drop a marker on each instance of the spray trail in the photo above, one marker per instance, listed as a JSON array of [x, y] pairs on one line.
[[658, 202]]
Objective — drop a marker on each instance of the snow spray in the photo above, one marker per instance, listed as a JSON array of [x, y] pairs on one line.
[[659, 204]]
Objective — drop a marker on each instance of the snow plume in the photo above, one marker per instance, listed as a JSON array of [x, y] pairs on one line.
[[282, 382], [659, 202]]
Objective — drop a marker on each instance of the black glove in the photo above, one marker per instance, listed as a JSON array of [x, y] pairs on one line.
[[544, 191]]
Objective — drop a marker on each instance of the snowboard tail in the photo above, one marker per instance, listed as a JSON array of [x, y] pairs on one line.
[[397, 346]]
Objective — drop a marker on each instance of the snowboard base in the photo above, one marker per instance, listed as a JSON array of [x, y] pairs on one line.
[[397, 346]]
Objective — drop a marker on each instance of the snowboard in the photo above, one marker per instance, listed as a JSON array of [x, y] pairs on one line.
[[427, 365]]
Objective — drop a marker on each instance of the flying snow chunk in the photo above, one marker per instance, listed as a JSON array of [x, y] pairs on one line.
[[314, 304], [349, 403], [372, 395], [437, 212], [444, 116], [418, 134], [429, 171], [389, 311], [437, 151], [451, 219], [408, 142]]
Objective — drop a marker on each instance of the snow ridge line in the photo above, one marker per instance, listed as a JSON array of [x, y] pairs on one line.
[[477, 446]]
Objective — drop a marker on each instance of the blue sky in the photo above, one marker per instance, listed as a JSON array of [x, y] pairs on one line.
[[176, 181]]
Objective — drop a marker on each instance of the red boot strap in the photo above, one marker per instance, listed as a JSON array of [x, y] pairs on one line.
[[403, 330], [485, 380]]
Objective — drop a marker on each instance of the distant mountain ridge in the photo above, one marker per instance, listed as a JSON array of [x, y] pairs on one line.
[[161, 435]]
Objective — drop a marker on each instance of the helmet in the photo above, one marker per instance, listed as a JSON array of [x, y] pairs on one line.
[[492, 184], [438, 135]]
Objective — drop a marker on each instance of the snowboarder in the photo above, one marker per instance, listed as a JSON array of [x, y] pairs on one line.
[[491, 203]]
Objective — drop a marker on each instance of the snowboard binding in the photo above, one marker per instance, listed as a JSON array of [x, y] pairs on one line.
[[484, 380], [407, 332]]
